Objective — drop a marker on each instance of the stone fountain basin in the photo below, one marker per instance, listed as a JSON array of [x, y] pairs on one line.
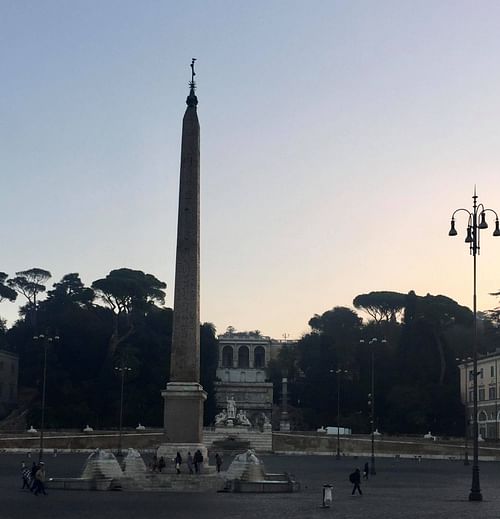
[[83, 484]]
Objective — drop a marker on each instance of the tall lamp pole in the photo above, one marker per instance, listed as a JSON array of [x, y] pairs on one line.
[[339, 372], [122, 370], [46, 340], [371, 401], [476, 222]]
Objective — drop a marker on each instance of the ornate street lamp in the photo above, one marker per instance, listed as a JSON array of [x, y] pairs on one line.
[[46, 340], [122, 370], [476, 222], [371, 399]]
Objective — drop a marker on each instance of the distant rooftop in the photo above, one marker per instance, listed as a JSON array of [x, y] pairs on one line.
[[244, 335]]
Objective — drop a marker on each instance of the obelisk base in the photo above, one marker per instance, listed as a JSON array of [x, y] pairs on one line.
[[183, 412], [183, 422]]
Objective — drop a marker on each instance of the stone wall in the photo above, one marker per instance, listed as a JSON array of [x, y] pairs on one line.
[[389, 446]]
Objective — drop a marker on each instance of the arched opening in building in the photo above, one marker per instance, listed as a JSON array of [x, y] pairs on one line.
[[227, 357], [259, 357], [243, 357], [482, 416]]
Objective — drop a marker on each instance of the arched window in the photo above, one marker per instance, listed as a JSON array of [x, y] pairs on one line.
[[259, 357], [227, 357], [243, 357], [482, 416]]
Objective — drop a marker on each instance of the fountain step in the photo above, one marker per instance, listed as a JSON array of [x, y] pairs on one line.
[[176, 483]]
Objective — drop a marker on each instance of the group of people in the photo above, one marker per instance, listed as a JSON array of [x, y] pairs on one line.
[[158, 464], [33, 477], [194, 462]]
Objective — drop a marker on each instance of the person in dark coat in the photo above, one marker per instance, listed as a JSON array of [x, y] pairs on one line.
[[178, 461], [161, 463], [190, 463], [355, 479], [218, 461], [366, 471], [198, 461]]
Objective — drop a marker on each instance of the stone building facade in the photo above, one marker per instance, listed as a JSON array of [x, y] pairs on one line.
[[488, 403], [241, 374], [9, 371]]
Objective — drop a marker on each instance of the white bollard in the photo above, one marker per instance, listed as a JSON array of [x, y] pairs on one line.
[[327, 496]]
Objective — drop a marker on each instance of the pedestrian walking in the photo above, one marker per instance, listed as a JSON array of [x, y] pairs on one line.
[[190, 463], [178, 461], [355, 479], [161, 463], [218, 461], [40, 480], [366, 471], [25, 476], [34, 468]]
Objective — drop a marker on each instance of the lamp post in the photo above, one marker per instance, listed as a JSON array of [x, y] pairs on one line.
[[466, 424], [122, 370], [46, 340], [371, 400], [473, 239], [339, 372]]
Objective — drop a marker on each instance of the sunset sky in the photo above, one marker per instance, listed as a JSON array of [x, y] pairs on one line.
[[337, 139]]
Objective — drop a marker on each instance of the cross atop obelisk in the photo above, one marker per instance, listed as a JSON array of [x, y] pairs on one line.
[[184, 397]]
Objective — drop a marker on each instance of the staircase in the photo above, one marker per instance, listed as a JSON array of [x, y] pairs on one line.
[[259, 441]]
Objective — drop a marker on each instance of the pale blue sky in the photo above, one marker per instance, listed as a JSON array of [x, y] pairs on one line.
[[337, 138]]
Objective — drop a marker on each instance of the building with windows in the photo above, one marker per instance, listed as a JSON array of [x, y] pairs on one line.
[[241, 373], [488, 404], [9, 369]]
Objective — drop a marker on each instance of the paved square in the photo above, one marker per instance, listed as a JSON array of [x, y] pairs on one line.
[[431, 489]]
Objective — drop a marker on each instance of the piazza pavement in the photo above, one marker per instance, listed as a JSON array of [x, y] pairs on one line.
[[401, 489]]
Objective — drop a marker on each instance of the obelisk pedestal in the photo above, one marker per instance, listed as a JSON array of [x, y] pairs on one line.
[[183, 421]]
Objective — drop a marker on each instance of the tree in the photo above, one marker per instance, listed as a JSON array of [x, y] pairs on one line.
[[71, 290], [438, 314], [339, 327], [381, 306], [130, 294], [6, 292], [332, 344], [208, 368], [30, 283]]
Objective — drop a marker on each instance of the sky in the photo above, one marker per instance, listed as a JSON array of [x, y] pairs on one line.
[[337, 137]]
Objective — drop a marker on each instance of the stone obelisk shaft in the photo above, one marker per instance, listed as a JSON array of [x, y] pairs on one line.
[[185, 356], [184, 397]]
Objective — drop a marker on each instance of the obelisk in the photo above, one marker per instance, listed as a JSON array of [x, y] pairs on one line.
[[184, 396]]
